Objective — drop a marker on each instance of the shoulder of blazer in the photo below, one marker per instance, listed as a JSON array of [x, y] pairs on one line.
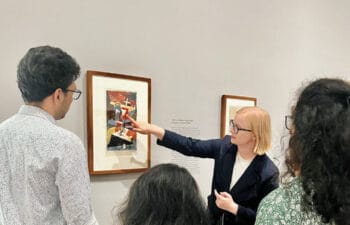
[[227, 146], [265, 166]]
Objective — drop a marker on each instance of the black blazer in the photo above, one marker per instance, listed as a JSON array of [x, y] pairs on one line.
[[259, 179]]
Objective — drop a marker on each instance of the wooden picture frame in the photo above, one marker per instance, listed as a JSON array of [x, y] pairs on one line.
[[229, 106], [113, 147]]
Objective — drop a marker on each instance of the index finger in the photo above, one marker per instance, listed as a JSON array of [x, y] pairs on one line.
[[130, 118]]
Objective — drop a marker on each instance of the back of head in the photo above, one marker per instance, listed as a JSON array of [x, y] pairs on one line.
[[260, 124], [44, 69], [321, 143], [165, 195]]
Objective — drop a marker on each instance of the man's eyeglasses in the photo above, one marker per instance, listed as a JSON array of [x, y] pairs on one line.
[[288, 121], [76, 93], [235, 128]]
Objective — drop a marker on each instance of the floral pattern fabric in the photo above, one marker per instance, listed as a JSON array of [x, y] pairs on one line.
[[283, 206], [44, 178]]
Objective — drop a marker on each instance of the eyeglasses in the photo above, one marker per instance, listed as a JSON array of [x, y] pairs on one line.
[[76, 93], [235, 128], [288, 121]]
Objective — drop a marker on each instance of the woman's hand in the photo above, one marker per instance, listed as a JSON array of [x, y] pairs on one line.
[[143, 127], [140, 126], [224, 201]]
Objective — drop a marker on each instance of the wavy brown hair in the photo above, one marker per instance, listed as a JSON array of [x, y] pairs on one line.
[[320, 148]]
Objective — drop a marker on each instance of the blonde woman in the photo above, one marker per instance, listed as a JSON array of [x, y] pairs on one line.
[[243, 173]]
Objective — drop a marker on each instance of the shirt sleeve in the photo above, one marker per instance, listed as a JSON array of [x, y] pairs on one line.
[[73, 183]]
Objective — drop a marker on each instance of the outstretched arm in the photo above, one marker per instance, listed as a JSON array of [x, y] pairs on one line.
[[185, 145], [144, 127]]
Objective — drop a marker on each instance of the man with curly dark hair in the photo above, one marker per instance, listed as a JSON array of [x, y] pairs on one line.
[[43, 171], [318, 156]]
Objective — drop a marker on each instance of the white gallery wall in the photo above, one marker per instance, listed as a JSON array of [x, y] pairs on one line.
[[193, 50]]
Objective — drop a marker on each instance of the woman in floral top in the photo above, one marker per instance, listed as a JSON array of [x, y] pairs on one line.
[[318, 158]]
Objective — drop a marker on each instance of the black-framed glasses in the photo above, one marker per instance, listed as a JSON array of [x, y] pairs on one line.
[[288, 121], [235, 128], [76, 93]]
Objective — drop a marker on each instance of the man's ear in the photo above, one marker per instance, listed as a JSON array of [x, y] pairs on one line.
[[58, 95]]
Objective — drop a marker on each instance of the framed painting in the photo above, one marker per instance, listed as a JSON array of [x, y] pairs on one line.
[[229, 106], [113, 147]]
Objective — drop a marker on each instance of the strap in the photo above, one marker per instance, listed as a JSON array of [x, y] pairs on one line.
[[2, 221]]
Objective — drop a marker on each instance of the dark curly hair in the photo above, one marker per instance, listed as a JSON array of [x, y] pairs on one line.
[[320, 148], [44, 69], [165, 195]]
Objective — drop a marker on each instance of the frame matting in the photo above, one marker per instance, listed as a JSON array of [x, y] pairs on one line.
[[113, 147]]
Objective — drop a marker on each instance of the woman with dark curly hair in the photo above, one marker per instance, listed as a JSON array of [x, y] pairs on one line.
[[165, 195], [318, 156]]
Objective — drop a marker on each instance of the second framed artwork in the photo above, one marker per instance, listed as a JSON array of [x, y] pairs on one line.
[[113, 147], [229, 106]]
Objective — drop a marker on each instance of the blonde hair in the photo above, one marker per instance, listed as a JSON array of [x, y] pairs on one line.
[[260, 124]]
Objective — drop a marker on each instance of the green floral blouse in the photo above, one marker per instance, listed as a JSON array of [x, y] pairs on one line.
[[283, 206]]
